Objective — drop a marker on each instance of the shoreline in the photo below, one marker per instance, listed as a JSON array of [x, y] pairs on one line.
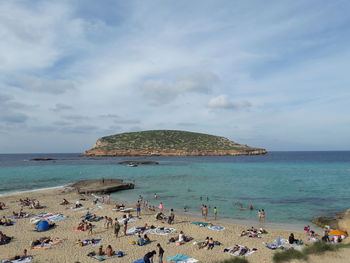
[[223, 219]]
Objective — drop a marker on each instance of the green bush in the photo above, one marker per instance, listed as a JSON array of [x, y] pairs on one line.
[[288, 255], [319, 248]]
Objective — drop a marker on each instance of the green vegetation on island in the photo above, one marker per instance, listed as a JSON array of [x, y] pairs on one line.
[[169, 142]]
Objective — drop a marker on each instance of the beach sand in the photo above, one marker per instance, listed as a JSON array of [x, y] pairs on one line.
[[23, 233]]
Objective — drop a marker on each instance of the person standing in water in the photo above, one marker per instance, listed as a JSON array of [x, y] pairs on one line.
[[215, 212], [155, 196], [205, 212], [161, 207]]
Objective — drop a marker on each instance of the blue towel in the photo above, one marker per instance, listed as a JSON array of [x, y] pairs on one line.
[[139, 261], [200, 223], [178, 257]]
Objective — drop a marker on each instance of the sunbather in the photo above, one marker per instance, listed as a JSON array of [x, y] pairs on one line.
[[243, 251], [160, 216], [64, 202], [232, 250], [211, 243], [4, 239], [22, 256], [5, 221], [140, 241], [109, 251], [2, 205], [100, 251], [204, 244], [146, 238]]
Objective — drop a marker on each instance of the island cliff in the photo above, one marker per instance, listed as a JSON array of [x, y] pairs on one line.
[[168, 143]]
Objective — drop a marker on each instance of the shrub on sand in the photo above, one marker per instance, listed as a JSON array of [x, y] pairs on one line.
[[319, 248], [288, 255]]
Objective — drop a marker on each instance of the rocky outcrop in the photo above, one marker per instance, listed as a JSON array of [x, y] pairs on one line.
[[341, 221], [138, 163], [101, 186]]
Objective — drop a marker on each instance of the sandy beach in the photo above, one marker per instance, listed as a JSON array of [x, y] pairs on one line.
[[67, 251]]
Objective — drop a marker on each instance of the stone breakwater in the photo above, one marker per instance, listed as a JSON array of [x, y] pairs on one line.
[[104, 152]]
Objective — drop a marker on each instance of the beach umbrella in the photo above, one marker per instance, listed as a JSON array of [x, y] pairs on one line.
[[42, 226], [337, 233]]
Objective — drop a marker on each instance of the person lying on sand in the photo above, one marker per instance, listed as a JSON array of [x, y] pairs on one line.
[[4, 239], [232, 250], [64, 202], [22, 256], [19, 214], [204, 244], [243, 251], [119, 206], [109, 251], [5, 221]]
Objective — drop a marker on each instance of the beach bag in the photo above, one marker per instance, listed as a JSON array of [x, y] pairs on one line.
[[120, 254]]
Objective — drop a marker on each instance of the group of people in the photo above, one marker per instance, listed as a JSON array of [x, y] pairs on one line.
[[84, 225], [31, 203]]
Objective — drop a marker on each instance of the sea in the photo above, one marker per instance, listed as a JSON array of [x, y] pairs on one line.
[[292, 187]]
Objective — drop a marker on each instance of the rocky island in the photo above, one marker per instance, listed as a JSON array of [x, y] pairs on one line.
[[101, 186], [168, 143]]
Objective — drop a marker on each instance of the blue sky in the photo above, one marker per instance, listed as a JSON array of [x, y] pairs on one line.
[[273, 74]]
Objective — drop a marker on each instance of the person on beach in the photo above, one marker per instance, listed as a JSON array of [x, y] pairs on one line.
[[148, 258], [205, 212], [100, 251], [259, 215], [125, 223], [89, 228], [22, 256], [171, 217], [64, 202], [251, 207], [210, 243], [161, 207], [138, 209], [116, 227], [262, 214], [109, 222], [140, 241], [204, 244], [109, 251], [215, 212], [202, 210], [155, 196], [160, 253], [108, 199], [2, 205]]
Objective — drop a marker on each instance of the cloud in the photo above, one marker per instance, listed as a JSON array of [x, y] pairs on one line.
[[161, 92], [223, 102], [13, 117], [76, 117], [40, 85], [61, 107]]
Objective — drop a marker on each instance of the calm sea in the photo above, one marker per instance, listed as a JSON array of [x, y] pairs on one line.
[[292, 187]]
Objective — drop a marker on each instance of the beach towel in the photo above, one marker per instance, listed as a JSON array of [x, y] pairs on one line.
[[180, 258], [27, 259], [162, 231], [249, 252], [97, 242], [135, 231], [139, 261], [200, 223], [126, 210], [103, 258], [217, 228], [48, 245], [274, 246], [133, 219]]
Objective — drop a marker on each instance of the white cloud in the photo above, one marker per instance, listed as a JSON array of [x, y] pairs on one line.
[[41, 85], [161, 92], [224, 102]]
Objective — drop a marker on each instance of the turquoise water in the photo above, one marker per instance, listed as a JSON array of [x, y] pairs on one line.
[[292, 187]]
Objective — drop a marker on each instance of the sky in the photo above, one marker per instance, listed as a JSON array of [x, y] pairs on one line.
[[271, 74]]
